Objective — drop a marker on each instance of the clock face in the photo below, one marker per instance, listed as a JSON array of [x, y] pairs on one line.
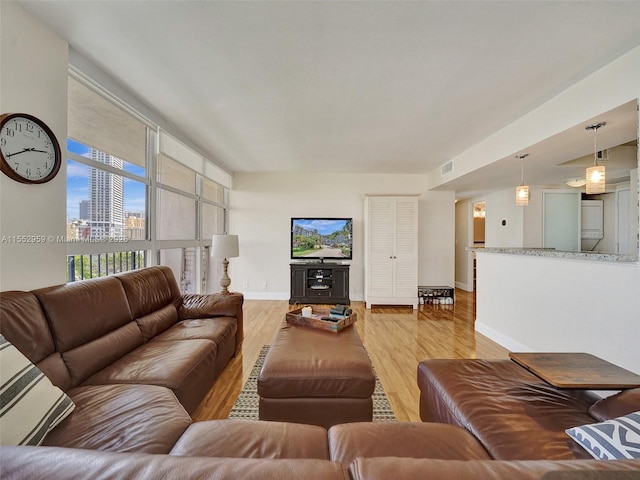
[[30, 151]]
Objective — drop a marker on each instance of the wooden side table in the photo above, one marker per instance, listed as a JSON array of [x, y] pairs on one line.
[[576, 370]]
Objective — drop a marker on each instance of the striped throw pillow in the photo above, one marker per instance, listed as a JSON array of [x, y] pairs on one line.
[[613, 439], [30, 405]]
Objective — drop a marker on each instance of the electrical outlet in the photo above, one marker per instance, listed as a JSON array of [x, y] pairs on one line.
[[245, 284], [264, 285]]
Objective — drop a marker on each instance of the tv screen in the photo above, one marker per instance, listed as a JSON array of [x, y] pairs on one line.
[[321, 238]]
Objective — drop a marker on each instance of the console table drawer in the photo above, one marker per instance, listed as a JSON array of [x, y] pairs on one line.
[[319, 292]]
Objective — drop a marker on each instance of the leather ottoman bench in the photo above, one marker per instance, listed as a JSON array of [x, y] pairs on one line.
[[316, 377]]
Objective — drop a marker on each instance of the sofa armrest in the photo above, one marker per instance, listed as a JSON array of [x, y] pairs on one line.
[[196, 306]]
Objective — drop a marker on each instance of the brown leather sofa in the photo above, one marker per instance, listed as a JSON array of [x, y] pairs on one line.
[[135, 356], [237, 449], [513, 414]]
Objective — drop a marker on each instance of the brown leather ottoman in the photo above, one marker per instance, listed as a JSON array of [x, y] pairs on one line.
[[316, 377]]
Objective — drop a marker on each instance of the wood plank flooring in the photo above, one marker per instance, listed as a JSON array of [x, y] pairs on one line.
[[397, 338]]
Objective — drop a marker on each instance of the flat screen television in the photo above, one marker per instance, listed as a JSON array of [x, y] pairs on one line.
[[319, 239]]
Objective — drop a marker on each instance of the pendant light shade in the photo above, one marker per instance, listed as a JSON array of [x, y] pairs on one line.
[[595, 175], [522, 191], [595, 179], [522, 196]]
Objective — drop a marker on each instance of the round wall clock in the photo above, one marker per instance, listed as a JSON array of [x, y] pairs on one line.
[[29, 151]]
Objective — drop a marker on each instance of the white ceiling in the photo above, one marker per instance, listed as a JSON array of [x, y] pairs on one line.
[[344, 86]]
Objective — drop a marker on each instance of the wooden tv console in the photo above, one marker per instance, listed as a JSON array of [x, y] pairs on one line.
[[325, 282]]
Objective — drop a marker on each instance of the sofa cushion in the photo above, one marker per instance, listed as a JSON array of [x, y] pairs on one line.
[[150, 289], [348, 441], [384, 468], [187, 367], [215, 305], [24, 325], [80, 312], [91, 324], [622, 403], [252, 439], [205, 306], [30, 405], [93, 356], [514, 414], [122, 418], [219, 330], [75, 464], [153, 324], [613, 439]]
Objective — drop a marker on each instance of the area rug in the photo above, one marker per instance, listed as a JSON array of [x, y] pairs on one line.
[[246, 406]]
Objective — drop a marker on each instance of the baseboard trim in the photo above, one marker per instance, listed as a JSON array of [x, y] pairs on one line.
[[501, 339], [283, 296], [265, 295], [464, 286]]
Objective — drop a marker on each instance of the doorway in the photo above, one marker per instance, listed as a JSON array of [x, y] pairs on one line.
[[479, 214]]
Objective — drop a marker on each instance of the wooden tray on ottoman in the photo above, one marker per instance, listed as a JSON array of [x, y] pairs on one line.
[[294, 317]]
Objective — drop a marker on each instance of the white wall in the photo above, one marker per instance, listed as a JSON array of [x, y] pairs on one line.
[[501, 208], [262, 206], [529, 303], [33, 80]]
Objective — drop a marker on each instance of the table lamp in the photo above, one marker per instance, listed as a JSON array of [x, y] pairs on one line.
[[224, 246]]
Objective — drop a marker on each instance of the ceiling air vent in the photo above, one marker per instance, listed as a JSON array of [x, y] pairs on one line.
[[446, 168]]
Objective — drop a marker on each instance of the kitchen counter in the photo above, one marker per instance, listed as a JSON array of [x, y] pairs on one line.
[[552, 253]]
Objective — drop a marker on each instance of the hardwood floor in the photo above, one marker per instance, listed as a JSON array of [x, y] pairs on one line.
[[397, 338]]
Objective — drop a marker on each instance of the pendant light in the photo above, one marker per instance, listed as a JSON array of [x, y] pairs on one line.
[[522, 191], [596, 174]]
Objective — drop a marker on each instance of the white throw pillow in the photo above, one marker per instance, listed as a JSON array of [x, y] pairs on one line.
[[30, 405]]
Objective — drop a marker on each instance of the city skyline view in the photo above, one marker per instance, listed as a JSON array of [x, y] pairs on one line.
[[78, 176]]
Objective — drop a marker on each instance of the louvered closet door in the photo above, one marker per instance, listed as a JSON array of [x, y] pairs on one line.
[[406, 247], [381, 234]]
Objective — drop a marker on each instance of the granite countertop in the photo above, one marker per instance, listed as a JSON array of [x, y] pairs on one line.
[[552, 253]]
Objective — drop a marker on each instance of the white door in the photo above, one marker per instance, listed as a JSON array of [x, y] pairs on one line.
[[406, 254], [561, 225], [381, 214]]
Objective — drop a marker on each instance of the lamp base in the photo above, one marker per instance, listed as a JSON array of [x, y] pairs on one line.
[[225, 281]]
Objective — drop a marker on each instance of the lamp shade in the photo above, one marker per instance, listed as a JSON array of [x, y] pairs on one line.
[[522, 196], [522, 191], [595, 179], [224, 246], [595, 175]]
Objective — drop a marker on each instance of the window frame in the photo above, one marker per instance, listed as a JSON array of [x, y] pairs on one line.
[[152, 245]]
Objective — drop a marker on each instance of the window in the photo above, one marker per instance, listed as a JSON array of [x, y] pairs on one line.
[[107, 186], [190, 208], [131, 204]]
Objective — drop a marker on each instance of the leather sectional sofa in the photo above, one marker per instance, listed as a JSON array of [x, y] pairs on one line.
[[238, 449], [136, 357], [511, 412]]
